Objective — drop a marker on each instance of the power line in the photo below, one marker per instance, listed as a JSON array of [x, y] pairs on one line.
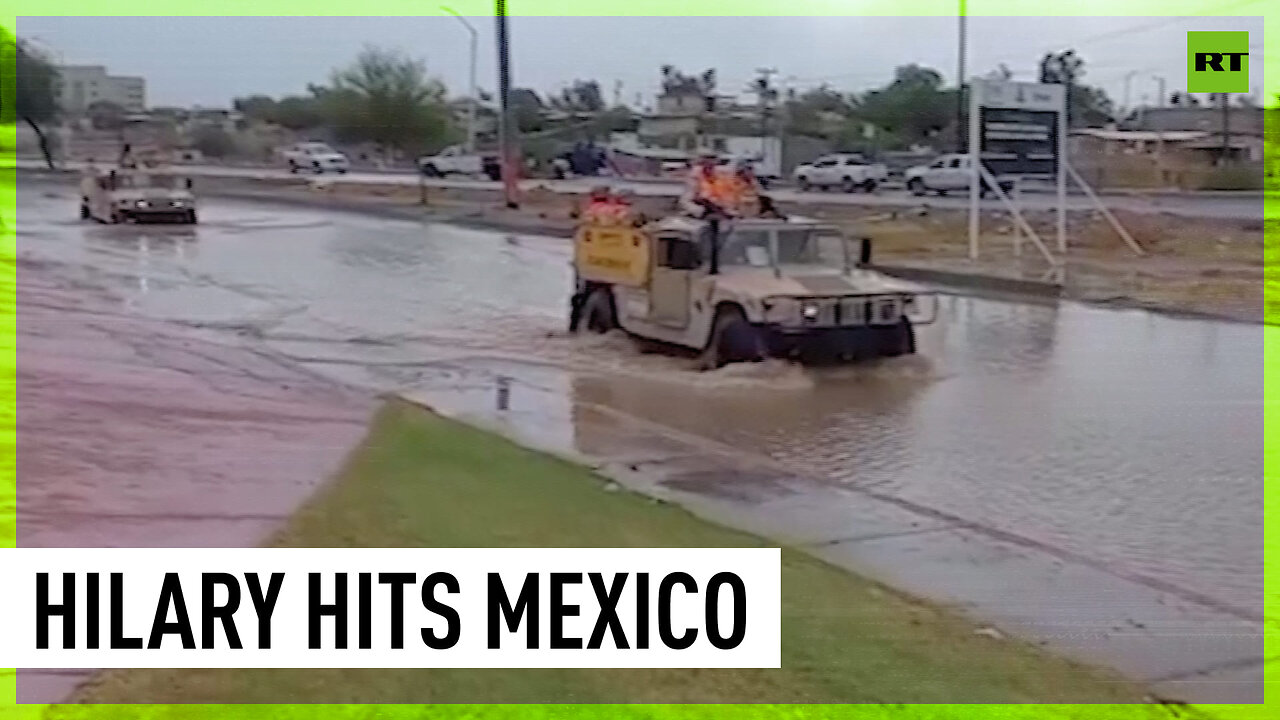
[[1162, 22]]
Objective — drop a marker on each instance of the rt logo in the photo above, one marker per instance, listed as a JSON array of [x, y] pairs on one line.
[[1218, 62]]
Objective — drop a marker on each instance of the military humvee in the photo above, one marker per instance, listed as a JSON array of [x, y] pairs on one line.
[[744, 290], [142, 194]]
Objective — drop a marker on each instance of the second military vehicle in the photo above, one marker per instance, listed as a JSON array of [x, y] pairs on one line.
[[144, 194]]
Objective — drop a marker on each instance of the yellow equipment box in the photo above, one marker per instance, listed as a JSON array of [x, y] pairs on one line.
[[614, 254]]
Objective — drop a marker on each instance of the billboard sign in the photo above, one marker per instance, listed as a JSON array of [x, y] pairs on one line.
[[1019, 126]]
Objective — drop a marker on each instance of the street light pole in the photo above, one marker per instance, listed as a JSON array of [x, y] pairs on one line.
[[471, 106], [1160, 101], [1128, 80], [506, 126]]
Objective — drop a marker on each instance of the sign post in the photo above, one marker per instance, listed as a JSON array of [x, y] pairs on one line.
[[975, 150], [1061, 168]]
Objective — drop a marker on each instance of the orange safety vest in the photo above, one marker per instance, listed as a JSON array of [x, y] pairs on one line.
[[719, 188]]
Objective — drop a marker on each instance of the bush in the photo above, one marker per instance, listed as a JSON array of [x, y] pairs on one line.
[[212, 141]]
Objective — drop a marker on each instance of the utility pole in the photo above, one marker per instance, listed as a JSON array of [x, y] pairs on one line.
[[763, 90], [1128, 80], [507, 129], [784, 119], [765, 96], [963, 20], [617, 93]]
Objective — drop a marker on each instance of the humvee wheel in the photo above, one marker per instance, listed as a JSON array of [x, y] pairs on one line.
[[732, 340], [84, 211], [191, 217], [597, 312]]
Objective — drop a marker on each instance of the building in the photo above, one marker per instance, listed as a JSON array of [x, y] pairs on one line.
[[1200, 129], [79, 86], [1189, 159]]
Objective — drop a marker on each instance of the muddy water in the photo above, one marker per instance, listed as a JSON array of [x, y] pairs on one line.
[[1132, 439]]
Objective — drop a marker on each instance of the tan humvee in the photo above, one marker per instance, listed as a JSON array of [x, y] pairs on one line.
[[742, 290], [136, 194]]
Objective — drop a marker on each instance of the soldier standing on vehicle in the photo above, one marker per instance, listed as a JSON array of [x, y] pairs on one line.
[[707, 189], [750, 192]]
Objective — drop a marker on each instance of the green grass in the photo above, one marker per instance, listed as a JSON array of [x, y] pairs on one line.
[[421, 480]]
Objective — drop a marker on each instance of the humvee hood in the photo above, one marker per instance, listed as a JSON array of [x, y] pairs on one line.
[[810, 282]]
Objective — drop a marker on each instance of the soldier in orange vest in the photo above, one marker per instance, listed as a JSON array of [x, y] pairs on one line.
[[746, 188], [750, 192], [708, 189]]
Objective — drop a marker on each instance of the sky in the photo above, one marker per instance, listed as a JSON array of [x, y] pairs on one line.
[[208, 61]]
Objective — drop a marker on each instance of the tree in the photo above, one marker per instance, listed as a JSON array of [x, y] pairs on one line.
[[33, 99], [257, 107], [583, 96], [1086, 105], [808, 113], [526, 109], [298, 112], [106, 115], [387, 98], [912, 109], [212, 141], [676, 82]]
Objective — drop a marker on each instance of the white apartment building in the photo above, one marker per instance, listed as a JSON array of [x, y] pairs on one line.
[[80, 86]]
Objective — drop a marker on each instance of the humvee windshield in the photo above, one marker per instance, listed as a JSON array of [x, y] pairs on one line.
[[138, 180], [794, 246]]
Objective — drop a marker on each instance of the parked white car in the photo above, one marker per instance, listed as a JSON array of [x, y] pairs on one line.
[[946, 174], [316, 157], [455, 160], [846, 171]]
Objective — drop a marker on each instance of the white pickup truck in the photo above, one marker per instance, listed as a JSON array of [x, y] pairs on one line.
[[316, 157], [847, 171], [455, 160], [950, 173]]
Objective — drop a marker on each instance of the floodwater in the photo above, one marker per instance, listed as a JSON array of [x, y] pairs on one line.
[[1123, 437]]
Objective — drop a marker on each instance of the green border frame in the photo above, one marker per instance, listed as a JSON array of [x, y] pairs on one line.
[[948, 8]]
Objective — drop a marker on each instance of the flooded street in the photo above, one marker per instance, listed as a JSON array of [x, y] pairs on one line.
[[1129, 441]]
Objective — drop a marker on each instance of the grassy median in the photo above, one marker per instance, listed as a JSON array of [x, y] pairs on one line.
[[421, 480]]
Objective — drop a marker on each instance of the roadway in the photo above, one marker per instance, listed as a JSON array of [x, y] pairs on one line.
[[1218, 205]]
